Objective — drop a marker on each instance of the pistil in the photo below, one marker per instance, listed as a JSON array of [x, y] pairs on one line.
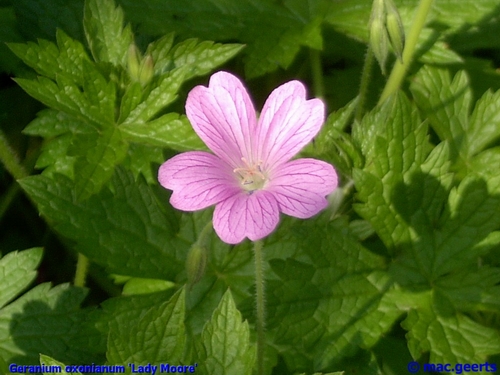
[[251, 175]]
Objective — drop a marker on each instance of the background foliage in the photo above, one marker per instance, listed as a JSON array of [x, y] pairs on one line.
[[402, 266]]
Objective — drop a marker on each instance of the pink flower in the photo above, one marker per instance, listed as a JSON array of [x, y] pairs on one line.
[[250, 177]]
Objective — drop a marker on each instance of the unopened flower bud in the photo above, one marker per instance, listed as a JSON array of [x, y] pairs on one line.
[[378, 41], [133, 62], [146, 70], [395, 29], [195, 264]]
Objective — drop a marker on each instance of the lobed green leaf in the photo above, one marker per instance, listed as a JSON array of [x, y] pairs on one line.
[[435, 323], [446, 104], [108, 40], [50, 60]]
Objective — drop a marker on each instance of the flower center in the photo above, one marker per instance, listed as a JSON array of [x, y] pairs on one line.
[[251, 176]]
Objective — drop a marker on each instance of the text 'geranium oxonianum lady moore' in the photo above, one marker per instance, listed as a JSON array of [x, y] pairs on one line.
[[250, 177]]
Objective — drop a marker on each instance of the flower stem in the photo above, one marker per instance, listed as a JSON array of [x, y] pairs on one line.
[[82, 266], [10, 159], [260, 306], [400, 68], [317, 73], [365, 80]]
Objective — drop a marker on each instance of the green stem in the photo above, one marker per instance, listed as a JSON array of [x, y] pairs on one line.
[[260, 305], [365, 80], [317, 73], [10, 159], [82, 267], [400, 68]]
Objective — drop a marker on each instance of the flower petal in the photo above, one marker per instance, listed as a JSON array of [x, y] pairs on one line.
[[300, 186], [198, 180], [287, 123], [223, 115], [246, 215]]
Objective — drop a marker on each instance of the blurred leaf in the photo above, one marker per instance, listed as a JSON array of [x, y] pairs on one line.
[[41, 19], [226, 341], [273, 32], [352, 17], [8, 34], [126, 231], [142, 286]]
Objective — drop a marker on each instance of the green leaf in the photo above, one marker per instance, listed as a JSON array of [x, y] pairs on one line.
[[96, 167], [54, 366], [272, 32], [130, 100], [126, 231], [43, 19], [435, 323], [50, 60], [326, 296], [157, 337], [484, 128], [142, 286], [199, 58], [47, 320], [472, 215], [9, 32], [394, 143], [482, 164], [163, 91], [100, 93], [472, 290], [446, 103], [62, 130], [142, 160], [226, 341], [107, 39], [64, 96], [352, 17], [334, 144], [170, 130], [17, 271], [226, 267]]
